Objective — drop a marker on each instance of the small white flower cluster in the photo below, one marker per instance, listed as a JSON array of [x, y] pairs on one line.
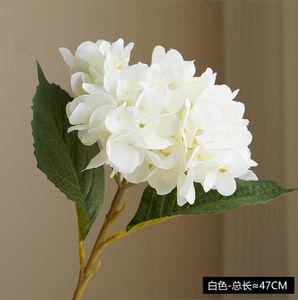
[[158, 123]]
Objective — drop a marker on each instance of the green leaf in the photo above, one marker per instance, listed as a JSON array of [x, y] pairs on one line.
[[154, 208], [61, 155]]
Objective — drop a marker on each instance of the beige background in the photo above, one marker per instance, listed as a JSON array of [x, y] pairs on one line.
[[252, 45], [260, 58]]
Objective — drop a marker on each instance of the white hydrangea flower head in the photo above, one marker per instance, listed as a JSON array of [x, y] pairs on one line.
[[159, 124]]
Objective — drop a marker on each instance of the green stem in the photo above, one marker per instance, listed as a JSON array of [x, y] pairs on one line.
[[86, 273]]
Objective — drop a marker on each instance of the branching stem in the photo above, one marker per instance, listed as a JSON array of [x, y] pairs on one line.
[[93, 263]]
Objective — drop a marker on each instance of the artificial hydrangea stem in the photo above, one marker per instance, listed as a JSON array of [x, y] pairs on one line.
[[82, 260], [93, 263], [81, 249]]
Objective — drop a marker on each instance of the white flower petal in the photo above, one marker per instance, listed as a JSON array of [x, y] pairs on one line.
[[90, 136], [77, 127], [249, 175], [111, 78], [98, 117], [234, 111], [209, 113], [209, 182], [99, 99], [88, 52], [225, 185], [70, 107], [157, 54], [162, 161], [164, 180], [76, 83], [124, 153], [80, 114], [127, 50], [185, 188], [181, 200], [67, 56], [154, 142], [140, 174], [99, 160], [91, 88], [122, 118], [168, 125]]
